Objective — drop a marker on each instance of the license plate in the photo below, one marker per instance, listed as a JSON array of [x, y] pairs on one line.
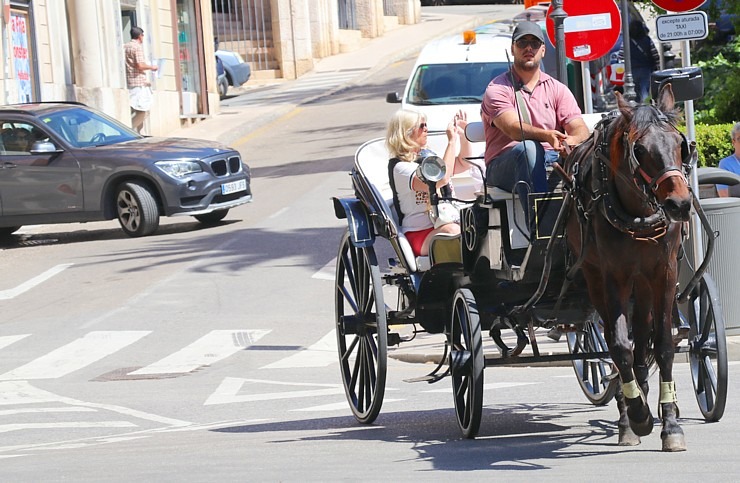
[[233, 187]]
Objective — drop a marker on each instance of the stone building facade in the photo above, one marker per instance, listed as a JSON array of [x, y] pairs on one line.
[[72, 50]]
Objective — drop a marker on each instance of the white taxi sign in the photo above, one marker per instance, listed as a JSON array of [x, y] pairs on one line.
[[682, 26]]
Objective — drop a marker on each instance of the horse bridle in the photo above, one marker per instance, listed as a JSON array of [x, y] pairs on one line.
[[667, 172]]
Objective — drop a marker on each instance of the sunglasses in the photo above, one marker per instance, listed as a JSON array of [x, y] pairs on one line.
[[423, 125], [524, 43]]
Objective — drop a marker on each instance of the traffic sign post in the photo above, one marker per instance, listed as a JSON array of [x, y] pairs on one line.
[[591, 30], [682, 26]]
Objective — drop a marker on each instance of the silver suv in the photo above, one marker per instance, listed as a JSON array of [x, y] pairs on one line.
[[66, 162]]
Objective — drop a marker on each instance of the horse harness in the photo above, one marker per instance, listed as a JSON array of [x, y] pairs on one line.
[[602, 194]]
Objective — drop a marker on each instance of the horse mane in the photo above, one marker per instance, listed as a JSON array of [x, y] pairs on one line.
[[634, 121]]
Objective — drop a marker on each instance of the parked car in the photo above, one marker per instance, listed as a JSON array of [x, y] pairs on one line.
[[221, 81], [238, 72], [451, 74], [66, 162]]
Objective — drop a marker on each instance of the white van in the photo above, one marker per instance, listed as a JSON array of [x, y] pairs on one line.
[[451, 74]]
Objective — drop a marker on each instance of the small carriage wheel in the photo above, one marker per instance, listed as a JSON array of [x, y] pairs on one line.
[[466, 362], [708, 349], [362, 331], [595, 375]]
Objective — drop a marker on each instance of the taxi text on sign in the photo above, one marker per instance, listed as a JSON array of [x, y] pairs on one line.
[[678, 5], [682, 26], [591, 28]]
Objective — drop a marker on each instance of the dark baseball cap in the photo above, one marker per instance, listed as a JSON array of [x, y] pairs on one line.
[[527, 28]]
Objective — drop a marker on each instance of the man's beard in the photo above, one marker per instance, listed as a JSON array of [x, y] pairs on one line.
[[527, 65]]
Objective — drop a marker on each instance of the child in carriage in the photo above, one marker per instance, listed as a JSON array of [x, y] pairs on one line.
[[406, 142]]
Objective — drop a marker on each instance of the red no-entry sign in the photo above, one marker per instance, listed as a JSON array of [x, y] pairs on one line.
[[678, 5], [591, 28]]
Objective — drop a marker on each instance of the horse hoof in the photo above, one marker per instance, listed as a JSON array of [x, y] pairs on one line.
[[643, 428], [627, 437], [674, 443]]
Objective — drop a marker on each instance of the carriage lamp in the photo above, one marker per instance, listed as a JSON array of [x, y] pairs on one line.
[[431, 169]]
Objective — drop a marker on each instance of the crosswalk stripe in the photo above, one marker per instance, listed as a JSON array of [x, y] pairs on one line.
[[211, 348], [321, 354], [28, 285], [6, 340], [327, 272], [74, 356]]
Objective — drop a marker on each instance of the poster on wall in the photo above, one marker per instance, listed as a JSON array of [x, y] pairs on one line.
[[20, 55]]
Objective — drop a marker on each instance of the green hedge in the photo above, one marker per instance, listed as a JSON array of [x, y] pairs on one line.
[[713, 143]]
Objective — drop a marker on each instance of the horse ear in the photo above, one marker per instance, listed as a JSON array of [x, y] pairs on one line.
[[624, 106], [666, 99]]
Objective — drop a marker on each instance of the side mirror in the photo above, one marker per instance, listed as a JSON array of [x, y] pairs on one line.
[[431, 169], [393, 98], [44, 147], [687, 83]]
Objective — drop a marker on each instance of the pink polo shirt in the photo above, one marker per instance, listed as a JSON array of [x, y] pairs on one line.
[[551, 106]]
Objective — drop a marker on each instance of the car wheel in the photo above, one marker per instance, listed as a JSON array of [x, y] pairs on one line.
[[223, 87], [6, 231], [212, 217], [137, 209]]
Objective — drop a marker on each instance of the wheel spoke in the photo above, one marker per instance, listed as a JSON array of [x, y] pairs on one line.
[[709, 373], [348, 352]]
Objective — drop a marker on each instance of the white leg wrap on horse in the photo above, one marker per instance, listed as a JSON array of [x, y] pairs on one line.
[[631, 391], [668, 392]]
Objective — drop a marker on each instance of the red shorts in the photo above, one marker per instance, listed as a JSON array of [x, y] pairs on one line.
[[416, 239]]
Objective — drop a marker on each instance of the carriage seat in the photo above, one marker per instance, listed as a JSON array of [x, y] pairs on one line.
[[372, 162]]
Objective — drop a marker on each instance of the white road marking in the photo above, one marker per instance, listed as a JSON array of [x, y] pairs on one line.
[[6, 428], [327, 272], [342, 406], [12, 412], [491, 386], [75, 355], [6, 340], [228, 391], [321, 354], [21, 392], [211, 348], [26, 286]]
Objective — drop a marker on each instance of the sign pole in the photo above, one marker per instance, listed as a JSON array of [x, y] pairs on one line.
[[558, 17], [629, 85], [588, 101]]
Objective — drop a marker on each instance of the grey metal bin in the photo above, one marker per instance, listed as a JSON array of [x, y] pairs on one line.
[[724, 267]]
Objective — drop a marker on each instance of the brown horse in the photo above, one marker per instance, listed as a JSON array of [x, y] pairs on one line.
[[625, 229]]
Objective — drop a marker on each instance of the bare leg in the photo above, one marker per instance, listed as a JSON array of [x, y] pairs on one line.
[[137, 120]]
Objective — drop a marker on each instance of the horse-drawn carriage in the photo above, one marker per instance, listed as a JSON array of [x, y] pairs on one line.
[[505, 276]]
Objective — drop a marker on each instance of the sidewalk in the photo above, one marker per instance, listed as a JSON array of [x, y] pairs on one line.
[[236, 122]]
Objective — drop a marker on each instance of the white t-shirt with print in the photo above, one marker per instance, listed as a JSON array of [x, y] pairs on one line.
[[414, 204]]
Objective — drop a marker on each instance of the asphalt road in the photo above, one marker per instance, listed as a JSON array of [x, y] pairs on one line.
[[207, 354]]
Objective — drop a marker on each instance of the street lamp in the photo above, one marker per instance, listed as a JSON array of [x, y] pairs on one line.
[[558, 17], [629, 85]]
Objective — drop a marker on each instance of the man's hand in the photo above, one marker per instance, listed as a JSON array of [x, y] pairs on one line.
[[556, 139]]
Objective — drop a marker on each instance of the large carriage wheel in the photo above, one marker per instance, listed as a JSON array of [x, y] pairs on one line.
[[466, 362], [362, 331], [594, 374], [708, 349]]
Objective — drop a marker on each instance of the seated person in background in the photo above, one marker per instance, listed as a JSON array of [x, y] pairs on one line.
[[406, 141], [17, 140], [550, 118], [731, 163]]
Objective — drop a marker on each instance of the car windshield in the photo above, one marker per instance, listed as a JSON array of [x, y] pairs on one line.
[[82, 128], [439, 84]]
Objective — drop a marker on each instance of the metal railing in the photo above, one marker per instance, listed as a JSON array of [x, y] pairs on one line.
[[244, 26]]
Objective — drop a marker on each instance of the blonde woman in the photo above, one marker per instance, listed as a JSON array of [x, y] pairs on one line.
[[405, 140]]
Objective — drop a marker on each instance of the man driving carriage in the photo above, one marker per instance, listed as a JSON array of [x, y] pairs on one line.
[[528, 117]]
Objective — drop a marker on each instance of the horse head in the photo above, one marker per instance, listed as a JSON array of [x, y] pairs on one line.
[[647, 144]]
